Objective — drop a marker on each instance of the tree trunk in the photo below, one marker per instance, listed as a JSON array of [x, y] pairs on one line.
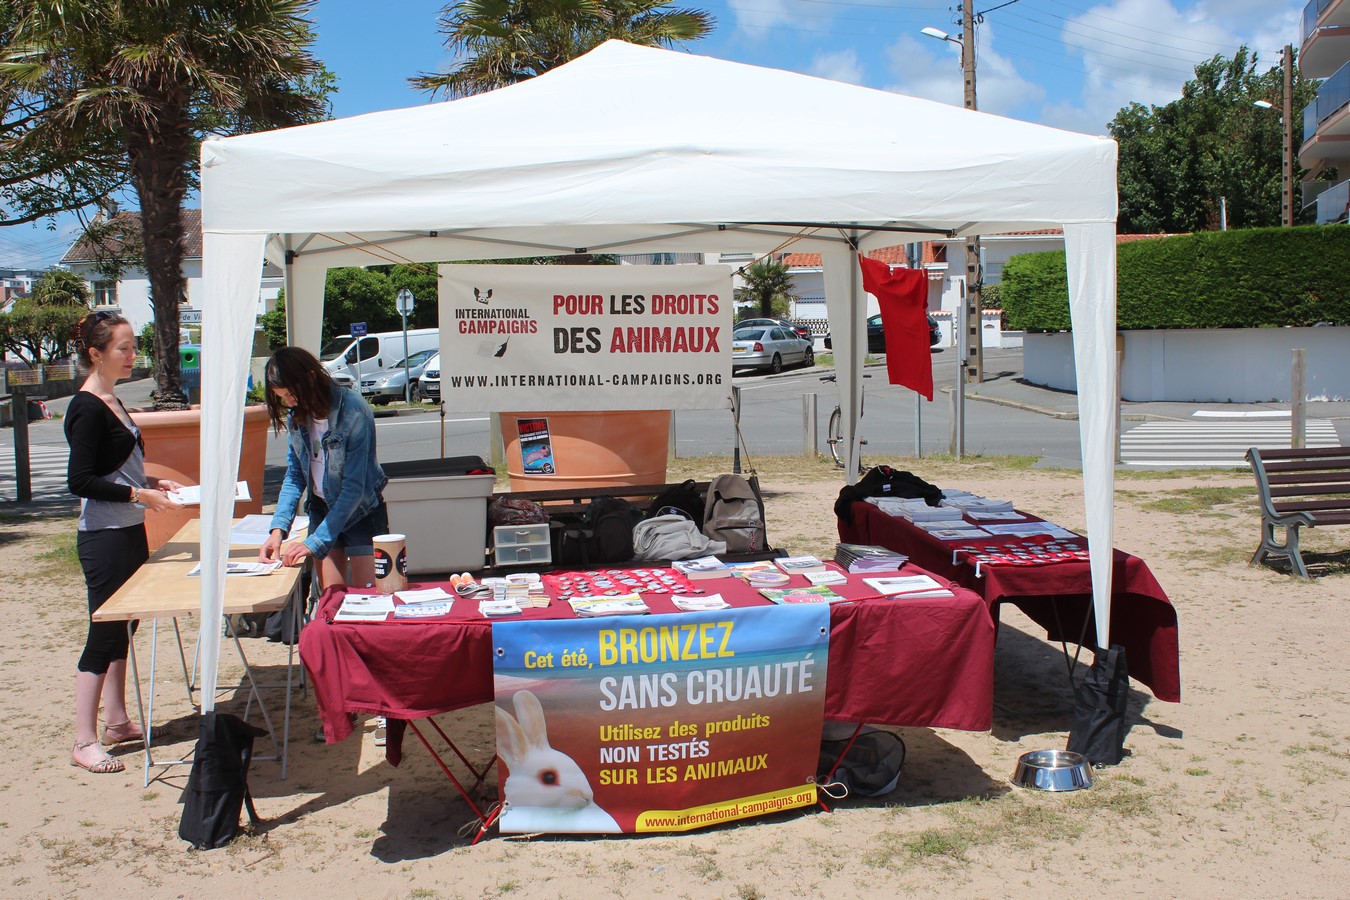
[[158, 166]]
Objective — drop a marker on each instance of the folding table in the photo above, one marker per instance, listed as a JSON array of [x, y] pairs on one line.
[[162, 589]]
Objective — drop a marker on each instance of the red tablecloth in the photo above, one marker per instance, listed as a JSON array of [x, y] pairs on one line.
[[1143, 620], [892, 661]]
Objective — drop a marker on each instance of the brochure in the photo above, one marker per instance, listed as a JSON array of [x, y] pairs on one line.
[[422, 610], [814, 594], [622, 605], [913, 586], [703, 567], [695, 604], [495, 609], [427, 595], [365, 608]]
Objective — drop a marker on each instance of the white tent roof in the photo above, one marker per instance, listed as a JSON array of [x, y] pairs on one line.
[[633, 149]]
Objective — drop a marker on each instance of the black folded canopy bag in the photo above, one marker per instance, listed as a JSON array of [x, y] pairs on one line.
[[1098, 721], [217, 787]]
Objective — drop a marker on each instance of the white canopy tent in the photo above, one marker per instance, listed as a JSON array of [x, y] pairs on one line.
[[628, 150]]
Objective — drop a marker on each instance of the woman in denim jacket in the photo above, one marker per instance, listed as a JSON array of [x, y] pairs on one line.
[[331, 435]]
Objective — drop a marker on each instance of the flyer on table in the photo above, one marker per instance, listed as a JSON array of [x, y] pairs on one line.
[[659, 723], [585, 337]]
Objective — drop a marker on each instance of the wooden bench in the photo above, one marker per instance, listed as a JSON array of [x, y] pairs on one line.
[[1299, 488]]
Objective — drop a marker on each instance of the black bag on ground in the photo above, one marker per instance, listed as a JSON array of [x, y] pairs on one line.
[[683, 497], [217, 787], [1099, 723], [872, 766], [734, 514], [572, 541], [611, 521]]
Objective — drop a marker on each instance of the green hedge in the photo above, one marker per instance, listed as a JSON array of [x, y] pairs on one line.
[[1217, 279]]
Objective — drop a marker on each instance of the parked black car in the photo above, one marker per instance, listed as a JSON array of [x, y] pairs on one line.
[[876, 337]]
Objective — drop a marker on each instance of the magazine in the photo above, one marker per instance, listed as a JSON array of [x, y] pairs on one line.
[[813, 594]]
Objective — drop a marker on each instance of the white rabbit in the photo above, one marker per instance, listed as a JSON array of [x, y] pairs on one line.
[[545, 790]]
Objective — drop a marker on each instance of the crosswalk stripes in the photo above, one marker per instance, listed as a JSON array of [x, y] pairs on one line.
[[47, 465], [1214, 443]]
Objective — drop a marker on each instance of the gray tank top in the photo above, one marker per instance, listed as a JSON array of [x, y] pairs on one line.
[[96, 515]]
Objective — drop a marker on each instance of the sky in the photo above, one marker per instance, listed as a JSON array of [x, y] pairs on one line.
[[1061, 63]]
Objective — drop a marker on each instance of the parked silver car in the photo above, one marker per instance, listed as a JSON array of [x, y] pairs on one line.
[[429, 385], [769, 348], [384, 385]]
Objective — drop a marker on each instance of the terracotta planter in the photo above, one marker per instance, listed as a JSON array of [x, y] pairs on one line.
[[173, 450], [588, 449]]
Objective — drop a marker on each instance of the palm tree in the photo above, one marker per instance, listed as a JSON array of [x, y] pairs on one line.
[[769, 286], [158, 76], [501, 42]]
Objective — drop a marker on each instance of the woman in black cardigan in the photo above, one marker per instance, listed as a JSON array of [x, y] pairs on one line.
[[107, 472]]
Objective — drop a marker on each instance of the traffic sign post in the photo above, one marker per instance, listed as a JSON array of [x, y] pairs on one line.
[[404, 302], [358, 331]]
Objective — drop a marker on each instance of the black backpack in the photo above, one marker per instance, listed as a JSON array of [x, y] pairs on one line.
[[683, 498], [611, 521], [217, 787]]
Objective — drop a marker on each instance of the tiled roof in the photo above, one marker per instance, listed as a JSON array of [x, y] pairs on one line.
[[83, 250], [892, 256]]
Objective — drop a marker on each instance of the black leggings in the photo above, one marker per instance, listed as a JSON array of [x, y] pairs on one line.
[[108, 557]]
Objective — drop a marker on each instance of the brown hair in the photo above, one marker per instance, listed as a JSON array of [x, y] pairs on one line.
[[95, 330], [298, 371]]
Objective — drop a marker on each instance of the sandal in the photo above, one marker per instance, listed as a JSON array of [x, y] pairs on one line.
[[106, 765], [125, 731]]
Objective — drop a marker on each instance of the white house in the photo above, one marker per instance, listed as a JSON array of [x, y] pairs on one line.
[[130, 294]]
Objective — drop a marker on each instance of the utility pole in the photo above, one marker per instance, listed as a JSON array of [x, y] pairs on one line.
[[974, 362], [1287, 118]]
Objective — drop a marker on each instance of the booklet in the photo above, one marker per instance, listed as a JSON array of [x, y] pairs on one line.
[[799, 565], [828, 576], [239, 567], [703, 567], [422, 610], [364, 608], [191, 494]]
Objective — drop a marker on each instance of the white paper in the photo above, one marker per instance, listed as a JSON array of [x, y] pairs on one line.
[[253, 530], [191, 494], [904, 584], [360, 615], [381, 602], [237, 567], [426, 595]]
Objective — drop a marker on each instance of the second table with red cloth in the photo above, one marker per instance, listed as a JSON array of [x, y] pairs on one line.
[[1056, 595], [893, 661]]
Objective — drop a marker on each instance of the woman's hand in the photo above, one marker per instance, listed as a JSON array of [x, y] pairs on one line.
[[270, 551], [167, 485], [294, 553], [156, 500]]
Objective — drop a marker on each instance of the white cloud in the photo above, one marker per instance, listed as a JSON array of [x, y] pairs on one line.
[[841, 65], [1145, 50], [928, 68]]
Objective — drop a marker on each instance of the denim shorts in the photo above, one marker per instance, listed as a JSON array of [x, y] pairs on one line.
[[357, 538]]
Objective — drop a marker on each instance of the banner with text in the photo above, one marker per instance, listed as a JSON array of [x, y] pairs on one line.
[[585, 337], [659, 723]]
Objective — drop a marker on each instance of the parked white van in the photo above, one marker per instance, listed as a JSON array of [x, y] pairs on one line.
[[371, 352]]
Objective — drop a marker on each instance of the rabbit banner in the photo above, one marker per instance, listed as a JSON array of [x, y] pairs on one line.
[[658, 723]]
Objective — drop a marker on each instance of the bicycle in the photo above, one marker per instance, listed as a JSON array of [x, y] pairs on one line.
[[834, 434]]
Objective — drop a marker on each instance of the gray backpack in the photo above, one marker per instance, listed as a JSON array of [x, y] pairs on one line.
[[734, 514]]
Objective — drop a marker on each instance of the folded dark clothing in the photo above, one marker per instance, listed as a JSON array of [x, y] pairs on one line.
[[883, 481]]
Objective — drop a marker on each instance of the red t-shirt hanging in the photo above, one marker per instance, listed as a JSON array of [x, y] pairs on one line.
[[903, 295]]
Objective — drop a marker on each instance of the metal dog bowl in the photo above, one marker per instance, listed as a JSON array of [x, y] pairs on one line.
[[1052, 770]]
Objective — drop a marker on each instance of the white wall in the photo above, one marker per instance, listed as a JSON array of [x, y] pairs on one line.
[[1239, 365]]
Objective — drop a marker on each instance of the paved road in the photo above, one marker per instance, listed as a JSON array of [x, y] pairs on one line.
[[1003, 416]]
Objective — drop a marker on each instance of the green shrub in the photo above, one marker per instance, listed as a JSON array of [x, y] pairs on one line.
[[1253, 278]]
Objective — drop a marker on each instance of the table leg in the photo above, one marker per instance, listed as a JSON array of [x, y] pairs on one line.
[[253, 693], [451, 775]]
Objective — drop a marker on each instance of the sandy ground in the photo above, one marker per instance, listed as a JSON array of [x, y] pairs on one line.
[[1237, 790]]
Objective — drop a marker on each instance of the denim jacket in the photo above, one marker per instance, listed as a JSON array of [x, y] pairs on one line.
[[352, 479]]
